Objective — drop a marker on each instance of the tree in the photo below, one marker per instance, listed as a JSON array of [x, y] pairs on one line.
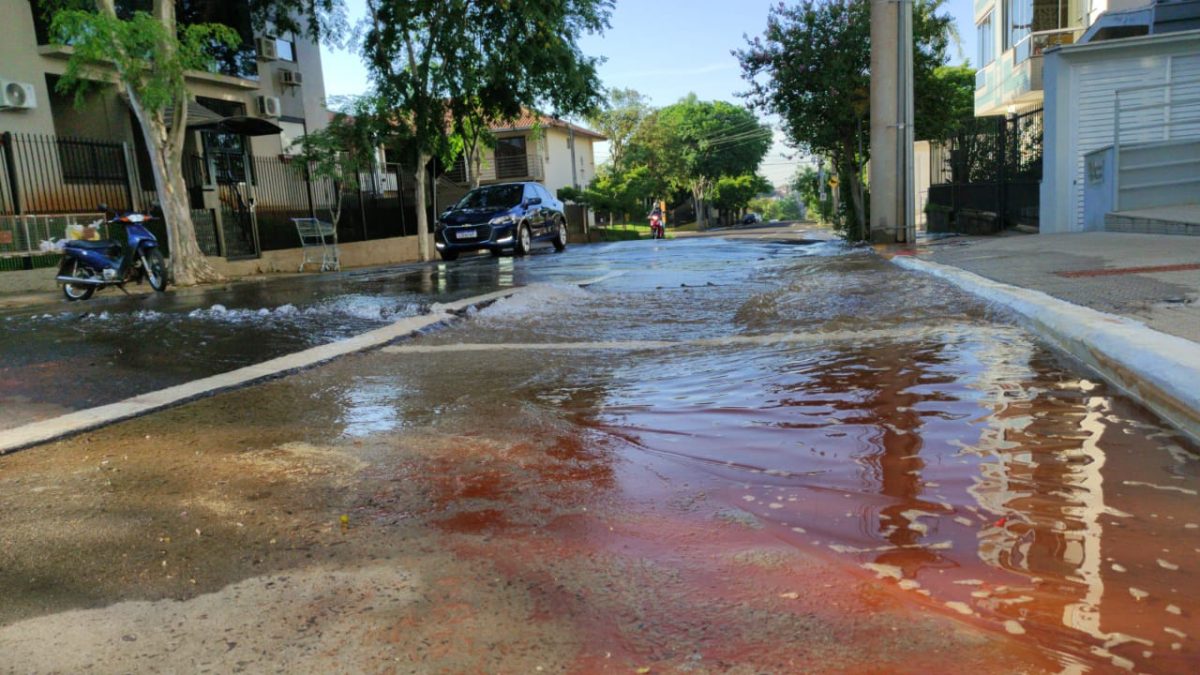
[[812, 68], [949, 101], [694, 143], [148, 54], [731, 194], [619, 120], [440, 60], [777, 208], [341, 153]]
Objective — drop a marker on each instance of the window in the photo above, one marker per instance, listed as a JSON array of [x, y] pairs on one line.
[[292, 132], [986, 42], [1018, 21], [511, 160], [85, 161], [285, 50]]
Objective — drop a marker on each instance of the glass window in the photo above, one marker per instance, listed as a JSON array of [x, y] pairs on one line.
[[986, 41], [1018, 21], [285, 50], [511, 160], [497, 196]]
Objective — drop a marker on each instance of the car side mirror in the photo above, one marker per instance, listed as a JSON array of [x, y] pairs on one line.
[[533, 201]]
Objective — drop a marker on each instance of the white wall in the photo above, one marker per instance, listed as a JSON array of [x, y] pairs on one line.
[[1081, 83]]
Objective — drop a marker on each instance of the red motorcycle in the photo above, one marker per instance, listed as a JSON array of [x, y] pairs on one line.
[[656, 227]]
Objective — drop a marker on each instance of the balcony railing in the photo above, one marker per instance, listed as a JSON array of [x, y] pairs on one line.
[[512, 167], [1035, 44]]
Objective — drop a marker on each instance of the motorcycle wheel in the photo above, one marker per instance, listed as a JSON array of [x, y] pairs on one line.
[[82, 291], [155, 269]]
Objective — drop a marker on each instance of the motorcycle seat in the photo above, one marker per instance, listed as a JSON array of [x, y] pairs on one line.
[[101, 245]]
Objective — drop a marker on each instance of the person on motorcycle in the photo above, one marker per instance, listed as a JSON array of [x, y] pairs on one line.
[[657, 231]]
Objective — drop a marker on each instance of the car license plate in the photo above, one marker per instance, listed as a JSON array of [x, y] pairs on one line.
[[467, 234]]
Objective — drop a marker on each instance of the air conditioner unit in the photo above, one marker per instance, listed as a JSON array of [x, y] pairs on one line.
[[17, 96], [266, 48], [291, 78], [268, 106]]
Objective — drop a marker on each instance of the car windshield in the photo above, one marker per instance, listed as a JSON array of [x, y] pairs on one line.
[[497, 196]]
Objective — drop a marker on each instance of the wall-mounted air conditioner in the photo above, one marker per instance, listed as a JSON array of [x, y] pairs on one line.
[[268, 106], [291, 78], [17, 95], [267, 51]]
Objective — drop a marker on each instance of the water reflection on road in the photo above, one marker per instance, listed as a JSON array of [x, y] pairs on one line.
[[914, 436], [815, 397]]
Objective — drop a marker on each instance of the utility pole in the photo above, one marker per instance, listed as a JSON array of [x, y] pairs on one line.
[[891, 171]]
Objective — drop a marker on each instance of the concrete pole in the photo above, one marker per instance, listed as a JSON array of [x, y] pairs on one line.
[[891, 165]]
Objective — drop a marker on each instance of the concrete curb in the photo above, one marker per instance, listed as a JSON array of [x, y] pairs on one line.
[[45, 431], [1161, 371]]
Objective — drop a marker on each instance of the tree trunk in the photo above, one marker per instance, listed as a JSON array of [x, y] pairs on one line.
[[422, 212], [165, 147], [188, 264], [476, 166], [698, 204]]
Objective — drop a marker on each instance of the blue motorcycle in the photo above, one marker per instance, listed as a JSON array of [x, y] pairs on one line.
[[88, 266]]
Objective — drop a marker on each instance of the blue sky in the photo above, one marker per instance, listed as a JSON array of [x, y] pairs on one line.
[[666, 49]]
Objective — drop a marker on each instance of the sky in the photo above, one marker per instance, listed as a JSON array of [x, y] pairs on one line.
[[667, 49]]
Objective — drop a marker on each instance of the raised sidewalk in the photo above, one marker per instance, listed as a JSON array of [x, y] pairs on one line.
[[1128, 305]]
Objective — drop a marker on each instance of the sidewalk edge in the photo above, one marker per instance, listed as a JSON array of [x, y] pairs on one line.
[[1160, 371]]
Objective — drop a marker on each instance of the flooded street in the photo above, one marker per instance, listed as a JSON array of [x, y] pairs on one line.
[[727, 456]]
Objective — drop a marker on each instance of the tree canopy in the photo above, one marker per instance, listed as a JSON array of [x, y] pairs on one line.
[[692, 144], [812, 68], [434, 60], [619, 119]]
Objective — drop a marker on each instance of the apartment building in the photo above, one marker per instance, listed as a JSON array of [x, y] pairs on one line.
[[61, 157], [277, 77]]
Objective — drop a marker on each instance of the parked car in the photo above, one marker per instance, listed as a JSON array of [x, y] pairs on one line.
[[497, 217], [751, 218]]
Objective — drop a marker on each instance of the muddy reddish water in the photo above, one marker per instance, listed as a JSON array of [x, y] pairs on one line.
[[835, 466]]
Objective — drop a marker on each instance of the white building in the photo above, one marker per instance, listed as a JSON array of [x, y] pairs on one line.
[[1122, 124]]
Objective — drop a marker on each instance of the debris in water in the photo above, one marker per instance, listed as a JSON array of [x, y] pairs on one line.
[[1117, 567], [1138, 593], [791, 595], [1174, 610], [960, 607], [1166, 565], [1014, 627], [885, 571]]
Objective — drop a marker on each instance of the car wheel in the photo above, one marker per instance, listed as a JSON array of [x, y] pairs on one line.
[[524, 241], [560, 236]]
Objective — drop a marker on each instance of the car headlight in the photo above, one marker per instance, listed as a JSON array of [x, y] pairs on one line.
[[503, 220]]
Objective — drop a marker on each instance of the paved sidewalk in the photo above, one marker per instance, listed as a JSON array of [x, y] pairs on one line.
[[1150, 278]]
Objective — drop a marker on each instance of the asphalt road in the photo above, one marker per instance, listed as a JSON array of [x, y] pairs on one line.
[[731, 455]]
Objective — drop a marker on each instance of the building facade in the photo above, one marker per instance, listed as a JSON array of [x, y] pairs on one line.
[[277, 77], [1013, 35], [553, 152], [63, 156]]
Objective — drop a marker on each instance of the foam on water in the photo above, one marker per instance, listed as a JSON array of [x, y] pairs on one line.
[[365, 307], [534, 300]]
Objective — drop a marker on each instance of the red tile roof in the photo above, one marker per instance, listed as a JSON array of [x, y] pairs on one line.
[[528, 119]]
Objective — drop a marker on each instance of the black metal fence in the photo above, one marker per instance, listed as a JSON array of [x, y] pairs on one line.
[[45, 174], [990, 168], [49, 174]]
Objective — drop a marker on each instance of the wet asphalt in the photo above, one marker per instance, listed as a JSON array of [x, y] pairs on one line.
[[729, 456]]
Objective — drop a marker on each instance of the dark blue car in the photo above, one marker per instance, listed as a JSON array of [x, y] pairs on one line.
[[498, 217]]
